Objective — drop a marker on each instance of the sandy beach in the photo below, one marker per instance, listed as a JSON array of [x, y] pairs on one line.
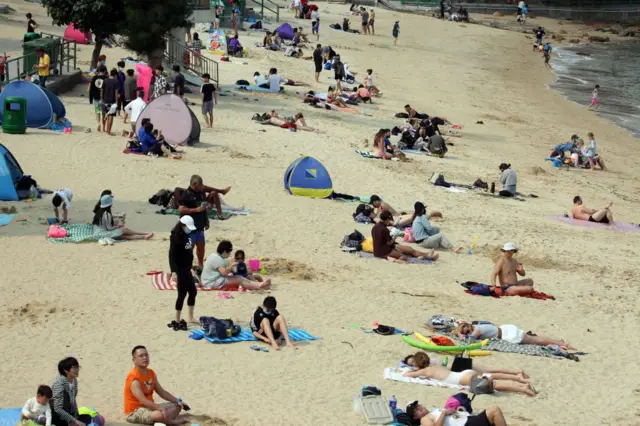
[[96, 303]]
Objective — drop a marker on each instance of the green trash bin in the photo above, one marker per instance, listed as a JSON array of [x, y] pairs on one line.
[[31, 36], [14, 117]]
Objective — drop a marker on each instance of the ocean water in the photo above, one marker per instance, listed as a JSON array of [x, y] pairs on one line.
[[615, 67]]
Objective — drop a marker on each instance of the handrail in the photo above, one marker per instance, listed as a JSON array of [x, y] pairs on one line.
[[60, 56], [189, 59], [263, 7]]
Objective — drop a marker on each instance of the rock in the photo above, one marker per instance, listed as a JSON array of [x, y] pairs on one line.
[[574, 40], [598, 39], [585, 34], [557, 37], [562, 32], [627, 33], [497, 14], [614, 31]]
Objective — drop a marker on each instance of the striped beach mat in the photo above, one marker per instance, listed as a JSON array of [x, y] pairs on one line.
[[162, 281], [246, 335]]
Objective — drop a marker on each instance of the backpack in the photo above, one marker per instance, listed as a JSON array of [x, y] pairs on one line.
[[242, 83], [219, 328], [478, 289], [353, 241], [25, 183], [364, 210], [460, 399], [134, 145]]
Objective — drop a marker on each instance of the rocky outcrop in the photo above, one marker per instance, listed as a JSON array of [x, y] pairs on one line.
[[627, 33], [598, 39]]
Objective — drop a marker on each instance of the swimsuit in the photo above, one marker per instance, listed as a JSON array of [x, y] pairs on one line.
[[603, 220], [454, 378]]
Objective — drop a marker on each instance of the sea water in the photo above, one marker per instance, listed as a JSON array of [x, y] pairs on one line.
[[615, 67]]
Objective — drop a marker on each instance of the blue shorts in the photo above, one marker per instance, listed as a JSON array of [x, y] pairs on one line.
[[196, 237]]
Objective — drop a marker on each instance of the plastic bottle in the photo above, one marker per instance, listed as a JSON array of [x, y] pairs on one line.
[[393, 402]]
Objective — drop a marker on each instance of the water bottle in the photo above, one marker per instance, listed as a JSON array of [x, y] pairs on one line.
[[393, 402]]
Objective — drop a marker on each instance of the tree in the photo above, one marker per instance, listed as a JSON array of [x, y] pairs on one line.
[[103, 18], [148, 22]]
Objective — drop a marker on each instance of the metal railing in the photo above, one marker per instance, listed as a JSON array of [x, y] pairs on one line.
[[275, 8], [180, 54], [62, 54]]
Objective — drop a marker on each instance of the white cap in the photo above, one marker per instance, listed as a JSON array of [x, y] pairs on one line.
[[188, 222], [510, 247]]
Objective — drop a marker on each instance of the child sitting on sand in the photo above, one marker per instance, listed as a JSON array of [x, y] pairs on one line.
[[241, 269], [62, 197], [507, 269], [37, 409]]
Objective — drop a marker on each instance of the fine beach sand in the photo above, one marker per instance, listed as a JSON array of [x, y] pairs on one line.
[[96, 302]]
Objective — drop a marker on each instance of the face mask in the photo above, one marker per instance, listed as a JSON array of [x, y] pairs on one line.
[[186, 230]]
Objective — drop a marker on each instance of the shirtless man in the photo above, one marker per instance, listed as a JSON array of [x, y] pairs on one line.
[[515, 382], [492, 416], [580, 212], [413, 114], [507, 270]]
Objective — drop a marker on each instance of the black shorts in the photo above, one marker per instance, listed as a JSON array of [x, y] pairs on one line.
[[478, 420], [339, 77], [318, 66], [603, 220]]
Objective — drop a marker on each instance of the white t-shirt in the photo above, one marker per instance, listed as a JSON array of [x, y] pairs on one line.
[[458, 419], [274, 83], [32, 410], [134, 108], [289, 51], [521, 4], [296, 3], [315, 15], [66, 195], [260, 80], [210, 271]]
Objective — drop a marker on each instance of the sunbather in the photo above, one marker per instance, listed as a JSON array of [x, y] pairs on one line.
[[385, 247], [334, 97], [269, 326], [580, 212], [507, 269], [507, 332], [295, 122], [413, 114], [492, 416], [105, 225], [500, 380], [427, 235]]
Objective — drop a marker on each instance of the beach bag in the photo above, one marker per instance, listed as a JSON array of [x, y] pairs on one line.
[[461, 363], [57, 232], [408, 235], [242, 83], [134, 146], [402, 115], [219, 329], [481, 386], [371, 391], [367, 245], [478, 289], [363, 210], [458, 400], [441, 323], [25, 183]]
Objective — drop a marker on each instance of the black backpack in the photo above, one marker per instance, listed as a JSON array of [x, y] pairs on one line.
[[363, 209], [25, 183], [219, 328]]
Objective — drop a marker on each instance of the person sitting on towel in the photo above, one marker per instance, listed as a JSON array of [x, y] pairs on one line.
[[507, 269], [434, 145], [261, 80], [216, 274], [269, 326], [492, 416], [499, 379], [580, 212], [427, 235], [385, 247]]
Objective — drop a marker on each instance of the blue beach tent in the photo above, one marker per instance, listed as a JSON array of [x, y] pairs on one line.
[[307, 177], [10, 173], [43, 107]]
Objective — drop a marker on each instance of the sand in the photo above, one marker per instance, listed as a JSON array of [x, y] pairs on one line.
[[96, 302]]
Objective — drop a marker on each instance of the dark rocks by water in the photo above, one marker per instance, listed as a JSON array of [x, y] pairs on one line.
[[598, 39], [627, 33]]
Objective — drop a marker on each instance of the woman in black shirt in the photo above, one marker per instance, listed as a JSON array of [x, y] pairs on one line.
[[181, 263]]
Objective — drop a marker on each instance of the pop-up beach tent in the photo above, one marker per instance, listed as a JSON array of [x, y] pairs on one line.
[[307, 177], [43, 107], [170, 114], [10, 173], [80, 37], [285, 31]]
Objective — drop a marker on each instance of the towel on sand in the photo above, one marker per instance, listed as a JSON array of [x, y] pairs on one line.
[[396, 374], [410, 260], [213, 214], [367, 154], [246, 335], [10, 416], [619, 226], [6, 219], [162, 281], [479, 289], [78, 233]]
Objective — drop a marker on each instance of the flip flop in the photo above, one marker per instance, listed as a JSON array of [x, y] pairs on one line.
[[264, 349], [255, 348]]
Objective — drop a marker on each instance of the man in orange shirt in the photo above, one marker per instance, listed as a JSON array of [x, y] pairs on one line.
[[139, 387]]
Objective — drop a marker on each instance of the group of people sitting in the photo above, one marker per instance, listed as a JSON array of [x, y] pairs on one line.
[[580, 155], [150, 141]]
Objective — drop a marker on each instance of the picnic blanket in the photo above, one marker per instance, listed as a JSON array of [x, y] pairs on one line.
[[78, 233], [162, 281], [396, 374], [246, 335], [367, 154], [410, 260], [619, 226], [479, 289], [213, 214], [10, 416], [531, 350], [6, 219]]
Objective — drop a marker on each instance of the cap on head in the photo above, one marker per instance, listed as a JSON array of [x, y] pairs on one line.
[[188, 222], [510, 247]]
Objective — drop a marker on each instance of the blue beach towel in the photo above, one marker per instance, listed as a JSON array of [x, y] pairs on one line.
[[246, 335], [9, 416], [6, 219]]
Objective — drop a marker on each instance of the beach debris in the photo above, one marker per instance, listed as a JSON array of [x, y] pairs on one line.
[[598, 39], [497, 13], [348, 343], [627, 33], [574, 41], [412, 294], [8, 210]]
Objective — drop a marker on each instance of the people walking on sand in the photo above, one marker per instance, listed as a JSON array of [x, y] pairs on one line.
[[269, 326], [372, 21], [396, 32], [317, 61], [595, 103], [506, 271], [546, 53], [209, 99], [192, 202], [365, 20], [181, 265], [140, 385], [603, 215]]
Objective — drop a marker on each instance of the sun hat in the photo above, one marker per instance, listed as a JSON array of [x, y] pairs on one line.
[[106, 201], [188, 222], [510, 247]]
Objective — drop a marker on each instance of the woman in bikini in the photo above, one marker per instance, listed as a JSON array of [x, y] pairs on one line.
[[507, 332], [499, 379]]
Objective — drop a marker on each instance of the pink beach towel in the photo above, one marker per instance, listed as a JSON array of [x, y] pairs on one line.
[[162, 281], [619, 226]]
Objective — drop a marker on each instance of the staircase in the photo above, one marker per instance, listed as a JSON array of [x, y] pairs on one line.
[[193, 64], [270, 6]]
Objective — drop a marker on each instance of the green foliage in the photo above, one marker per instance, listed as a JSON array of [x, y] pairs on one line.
[[102, 17], [147, 22]]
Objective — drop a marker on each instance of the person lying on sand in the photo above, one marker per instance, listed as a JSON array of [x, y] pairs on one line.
[[140, 385], [507, 332], [506, 270], [500, 380], [269, 326], [413, 114], [385, 247], [217, 275], [289, 82], [427, 235], [334, 97], [492, 416], [580, 212], [295, 122]]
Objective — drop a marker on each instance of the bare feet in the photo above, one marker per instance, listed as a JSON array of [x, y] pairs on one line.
[[265, 285], [148, 236], [275, 346], [530, 390], [99, 129], [291, 345], [226, 190], [457, 250]]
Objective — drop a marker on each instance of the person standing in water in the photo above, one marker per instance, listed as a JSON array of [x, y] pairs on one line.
[[595, 104]]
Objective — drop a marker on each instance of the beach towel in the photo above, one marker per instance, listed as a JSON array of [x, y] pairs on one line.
[[162, 281], [257, 89], [246, 335], [479, 289], [10, 416], [213, 214], [367, 154], [396, 374], [531, 350], [410, 260], [6, 219], [619, 226], [77, 233]]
